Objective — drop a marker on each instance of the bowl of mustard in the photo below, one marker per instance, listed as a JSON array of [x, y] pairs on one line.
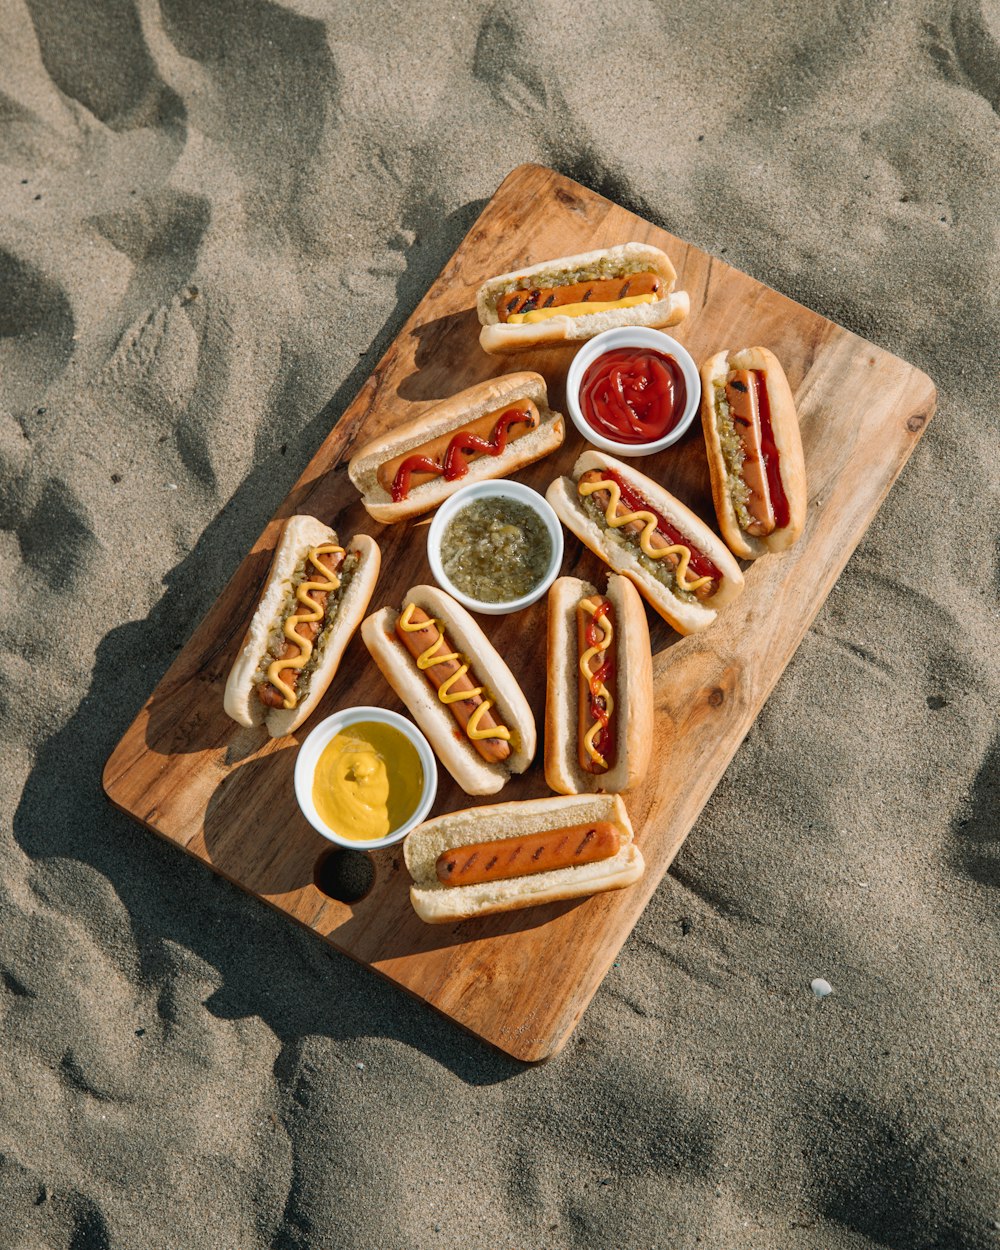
[[365, 777]]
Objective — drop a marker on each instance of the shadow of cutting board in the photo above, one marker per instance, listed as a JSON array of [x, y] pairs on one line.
[[224, 794]]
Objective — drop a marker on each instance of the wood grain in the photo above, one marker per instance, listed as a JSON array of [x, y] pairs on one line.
[[225, 794]]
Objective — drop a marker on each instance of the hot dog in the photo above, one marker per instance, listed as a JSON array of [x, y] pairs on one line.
[[599, 688], [490, 430], [513, 855], [449, 674], [682, 569], [754, 451], [313, 600], [579, 296], [506, 858], [456, 686]]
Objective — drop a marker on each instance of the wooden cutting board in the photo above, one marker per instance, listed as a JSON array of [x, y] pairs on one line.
[[224, 794]]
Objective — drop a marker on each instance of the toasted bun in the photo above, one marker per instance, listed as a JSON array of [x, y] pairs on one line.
[[497, 336], [784, 427], [441, 904], [474, 774], [686, 618], [300, 533], [450, 415], [632, 717]]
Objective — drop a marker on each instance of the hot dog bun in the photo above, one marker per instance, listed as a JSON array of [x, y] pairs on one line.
[[451, 415], [625, 258], [241, 700], [624, 558], [787, 439], [452, 747], [632, 716], [436, 903]]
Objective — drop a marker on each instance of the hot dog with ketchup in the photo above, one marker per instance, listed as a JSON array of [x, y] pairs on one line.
[[754, 451], [456, 686], [489, 430], [513, 855], [576, 297], [599, 691], [679, 566], [316, 592]]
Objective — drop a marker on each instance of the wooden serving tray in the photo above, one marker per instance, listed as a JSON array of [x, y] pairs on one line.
[[224, 794]]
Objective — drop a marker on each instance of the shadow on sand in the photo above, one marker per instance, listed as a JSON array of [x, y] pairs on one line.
[[297, 985]]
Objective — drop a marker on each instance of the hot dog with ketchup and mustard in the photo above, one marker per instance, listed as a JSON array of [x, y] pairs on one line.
[[679, 566], [599, 691]]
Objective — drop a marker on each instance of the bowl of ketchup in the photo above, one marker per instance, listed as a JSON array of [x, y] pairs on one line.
[[632, 391]]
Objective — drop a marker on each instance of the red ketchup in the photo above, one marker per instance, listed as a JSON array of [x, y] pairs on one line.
[[779, 500], [453, 464], [633, 394]]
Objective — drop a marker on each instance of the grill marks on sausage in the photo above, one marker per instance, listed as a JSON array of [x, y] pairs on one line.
[[508, 858], [599, 290]]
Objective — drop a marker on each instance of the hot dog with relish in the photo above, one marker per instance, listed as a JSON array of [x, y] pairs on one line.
[[680, 567], [754, 451], [314, 597], [576, 297]]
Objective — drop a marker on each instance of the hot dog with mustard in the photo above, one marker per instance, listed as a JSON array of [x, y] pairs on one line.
[[316, 592], [576, 297], [456, 686]]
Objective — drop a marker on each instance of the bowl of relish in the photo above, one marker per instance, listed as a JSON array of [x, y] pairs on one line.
[[632, 391]]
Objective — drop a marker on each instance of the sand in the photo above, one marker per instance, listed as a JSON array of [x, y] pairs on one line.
[[213, 219]]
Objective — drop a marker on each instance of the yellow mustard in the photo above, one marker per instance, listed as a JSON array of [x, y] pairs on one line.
[[578, 310], [368, 781]]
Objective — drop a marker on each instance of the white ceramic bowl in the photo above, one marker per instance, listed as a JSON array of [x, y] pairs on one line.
[[632, 336], [499, 488], [312, 748]]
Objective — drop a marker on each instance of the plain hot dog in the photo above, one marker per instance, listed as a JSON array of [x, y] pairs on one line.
[[506, 858], [489, 430], [450, 675], [457, 687], [754, 451], [577, 297], [315, 595], [650, 537], [514, 855], [599, 687]]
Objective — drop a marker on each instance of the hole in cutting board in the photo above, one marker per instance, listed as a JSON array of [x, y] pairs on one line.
[[346, 876]]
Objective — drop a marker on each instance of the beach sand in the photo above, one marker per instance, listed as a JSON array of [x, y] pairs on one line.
[[213, 220]]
